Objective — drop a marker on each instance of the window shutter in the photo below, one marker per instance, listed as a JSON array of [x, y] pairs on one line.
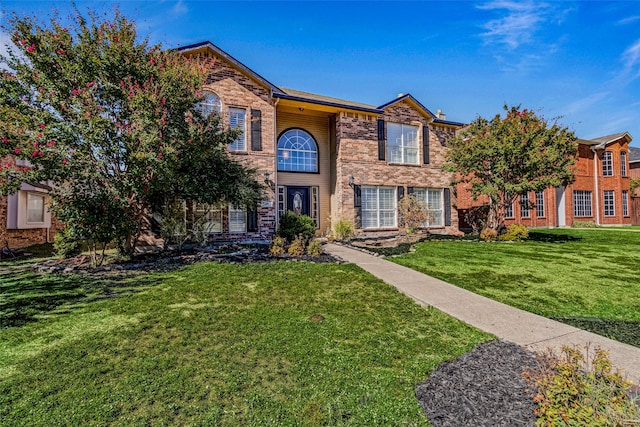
[[425, 144], [357, 204], [409, 190], [400, 192], [256, 130], [381, 140], [252, 220], [447, 206]]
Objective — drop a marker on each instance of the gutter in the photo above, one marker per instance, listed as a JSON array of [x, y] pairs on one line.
[[328, 103]]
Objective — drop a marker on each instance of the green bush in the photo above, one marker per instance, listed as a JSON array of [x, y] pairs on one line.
[[66, 244], [277, 246], [292, 225], [515, 232], [489, 235], [574, 390], [298, 246], [314, 248], [344, 230]]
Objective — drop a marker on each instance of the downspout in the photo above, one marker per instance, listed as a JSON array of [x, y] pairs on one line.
[[275, 159], [595, 183]]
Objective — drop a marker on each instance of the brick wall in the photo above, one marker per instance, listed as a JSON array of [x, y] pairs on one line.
[[357, 156]]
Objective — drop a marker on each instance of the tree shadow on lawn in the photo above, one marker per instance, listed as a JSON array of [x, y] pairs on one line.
[[625, 331], [535, 236], [28, 296]]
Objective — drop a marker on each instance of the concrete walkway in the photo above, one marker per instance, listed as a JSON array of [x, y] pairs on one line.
[[535, 332]]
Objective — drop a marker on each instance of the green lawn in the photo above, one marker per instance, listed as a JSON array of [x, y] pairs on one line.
[[264, 344], [590, 278]]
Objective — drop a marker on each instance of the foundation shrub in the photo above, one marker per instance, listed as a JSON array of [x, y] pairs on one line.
[[298, 246], [584, 224], [515, 232], [292, 225], [344, 230], [314, 248], [489, 235], [277, 246], [66, 244]]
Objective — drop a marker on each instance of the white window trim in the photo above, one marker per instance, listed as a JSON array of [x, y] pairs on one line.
[[403, 145], [377, 210], [237, 231], [582, 195], [425, 203], [625, 203], [540, 213], [525, 210], [240, 144], [609, 203], [607, 163]]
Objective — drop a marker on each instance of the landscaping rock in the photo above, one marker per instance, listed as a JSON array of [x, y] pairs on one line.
[[484, 387]]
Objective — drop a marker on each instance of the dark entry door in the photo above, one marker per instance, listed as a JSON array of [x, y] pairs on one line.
[[298, 200]]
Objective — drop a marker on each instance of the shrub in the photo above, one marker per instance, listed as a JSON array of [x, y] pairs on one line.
[[344, 230], [584, 224], [277, 246], [413, 213], [314, 248], [515, 232], [489, 235], [297, 246], [576, 390], [292, 225], [65, 244]]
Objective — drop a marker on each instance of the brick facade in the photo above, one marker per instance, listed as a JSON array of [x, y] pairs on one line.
[[588, 178]]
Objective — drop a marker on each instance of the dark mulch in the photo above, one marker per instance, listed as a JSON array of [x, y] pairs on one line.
[[484, 387], [167, 261]]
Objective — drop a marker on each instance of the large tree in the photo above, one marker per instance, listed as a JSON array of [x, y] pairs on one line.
[[508, 156], [113, 123]]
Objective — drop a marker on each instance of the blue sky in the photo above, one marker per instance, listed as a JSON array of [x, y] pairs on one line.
[[577, 60]]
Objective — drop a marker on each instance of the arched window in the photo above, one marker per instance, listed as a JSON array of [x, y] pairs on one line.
[[297, 152], [209, 104]]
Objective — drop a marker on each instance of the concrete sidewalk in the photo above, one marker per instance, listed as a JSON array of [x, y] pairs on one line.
[[535, 332]]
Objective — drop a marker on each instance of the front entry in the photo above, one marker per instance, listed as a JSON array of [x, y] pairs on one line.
[[298, 200]]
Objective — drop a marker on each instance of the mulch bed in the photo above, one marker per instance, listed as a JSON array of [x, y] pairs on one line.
[[166, 261], [484, 387]]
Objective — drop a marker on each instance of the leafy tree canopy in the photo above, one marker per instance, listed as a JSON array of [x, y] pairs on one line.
[[505, 157], [113, 123]]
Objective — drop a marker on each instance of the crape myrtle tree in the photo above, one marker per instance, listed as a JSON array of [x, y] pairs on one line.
[[508, 156], [113, 123]]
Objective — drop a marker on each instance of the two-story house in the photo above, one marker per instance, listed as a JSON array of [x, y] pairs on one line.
[[599, 194], [328, 158]]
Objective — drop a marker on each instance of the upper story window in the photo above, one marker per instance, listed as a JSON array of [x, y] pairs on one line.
[[623, 163], [210, 104], [607, 164], [297, 152], [237, 118], [402, 143]]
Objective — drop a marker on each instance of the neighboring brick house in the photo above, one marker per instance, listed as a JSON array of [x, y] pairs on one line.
[[634, 174], [600, 193], [329, 158], [24, 217]]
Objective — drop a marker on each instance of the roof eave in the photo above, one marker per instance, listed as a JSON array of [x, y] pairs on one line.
[[274, 89], [282, 95]]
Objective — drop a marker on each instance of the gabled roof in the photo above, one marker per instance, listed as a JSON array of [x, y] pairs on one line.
[[297, 95], [634, 155], [603, 141], [424, 110], [207, 44]]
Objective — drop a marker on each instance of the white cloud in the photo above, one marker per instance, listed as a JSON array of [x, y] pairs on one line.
[[519, 23], [631, 57], [180, 8], [628, 20], [585, 103]]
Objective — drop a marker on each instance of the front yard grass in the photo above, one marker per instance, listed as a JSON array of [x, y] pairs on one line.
[[212, 344], [589, 278]]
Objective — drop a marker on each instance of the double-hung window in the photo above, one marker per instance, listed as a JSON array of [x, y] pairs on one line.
[[237, 220], [237, 118], [402, 143], [609, 203], [540, 204], [378, 207], [432, 200], [525, 212], [209, 216], [607, 164], [508, 211], [35, 208], [582, 203], [625, 203], [623, 163]]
